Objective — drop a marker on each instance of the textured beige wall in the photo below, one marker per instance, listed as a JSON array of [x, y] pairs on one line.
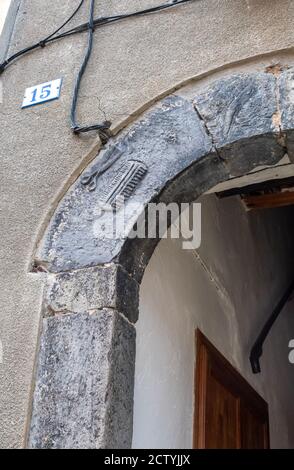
[[132, 63], [248, 265]]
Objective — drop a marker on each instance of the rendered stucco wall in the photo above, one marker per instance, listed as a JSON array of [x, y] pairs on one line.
[[249, 260], [132, 63]]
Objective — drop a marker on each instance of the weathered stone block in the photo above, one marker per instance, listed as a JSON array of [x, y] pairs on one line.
[[286, 95], [84, 386], [92, 289], [241, 115], [238, 107]]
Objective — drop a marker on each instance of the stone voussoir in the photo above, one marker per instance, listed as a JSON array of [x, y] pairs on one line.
[[241, 115]]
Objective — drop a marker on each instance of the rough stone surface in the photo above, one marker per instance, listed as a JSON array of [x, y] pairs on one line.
[[169, 139], [238, 107], [286, 97], [85, 375], [118, 430], [92, 289], [241, 114]]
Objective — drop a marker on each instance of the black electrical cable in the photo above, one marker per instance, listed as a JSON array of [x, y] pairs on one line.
[[75, 127], [42, 43], [85, 26], [111, 19], [90, 27]]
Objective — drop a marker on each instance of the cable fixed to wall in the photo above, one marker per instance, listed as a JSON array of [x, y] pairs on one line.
[[90, 26], [101, 128], [257, 349]]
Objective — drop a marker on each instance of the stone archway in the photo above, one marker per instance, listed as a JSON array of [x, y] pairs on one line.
[[83, 394]]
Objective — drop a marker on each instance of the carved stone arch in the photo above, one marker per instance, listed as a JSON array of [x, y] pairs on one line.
[[176, 151]]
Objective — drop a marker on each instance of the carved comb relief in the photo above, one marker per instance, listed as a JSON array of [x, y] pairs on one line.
[[125, 182]]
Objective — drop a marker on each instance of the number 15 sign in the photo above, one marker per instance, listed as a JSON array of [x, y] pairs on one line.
[[42, 93]]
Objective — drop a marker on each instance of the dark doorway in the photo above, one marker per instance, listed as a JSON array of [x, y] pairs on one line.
[[229, 414]]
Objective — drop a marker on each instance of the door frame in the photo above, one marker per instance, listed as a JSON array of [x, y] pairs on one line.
[[204, 349]]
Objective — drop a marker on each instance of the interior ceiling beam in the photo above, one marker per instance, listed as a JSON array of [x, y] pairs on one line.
[[270, 200]]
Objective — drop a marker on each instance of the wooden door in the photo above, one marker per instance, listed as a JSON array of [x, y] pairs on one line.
[[229, 414]]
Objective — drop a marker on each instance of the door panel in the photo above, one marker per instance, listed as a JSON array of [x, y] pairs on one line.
[[229, 414], [222, 412], [254, 430]]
